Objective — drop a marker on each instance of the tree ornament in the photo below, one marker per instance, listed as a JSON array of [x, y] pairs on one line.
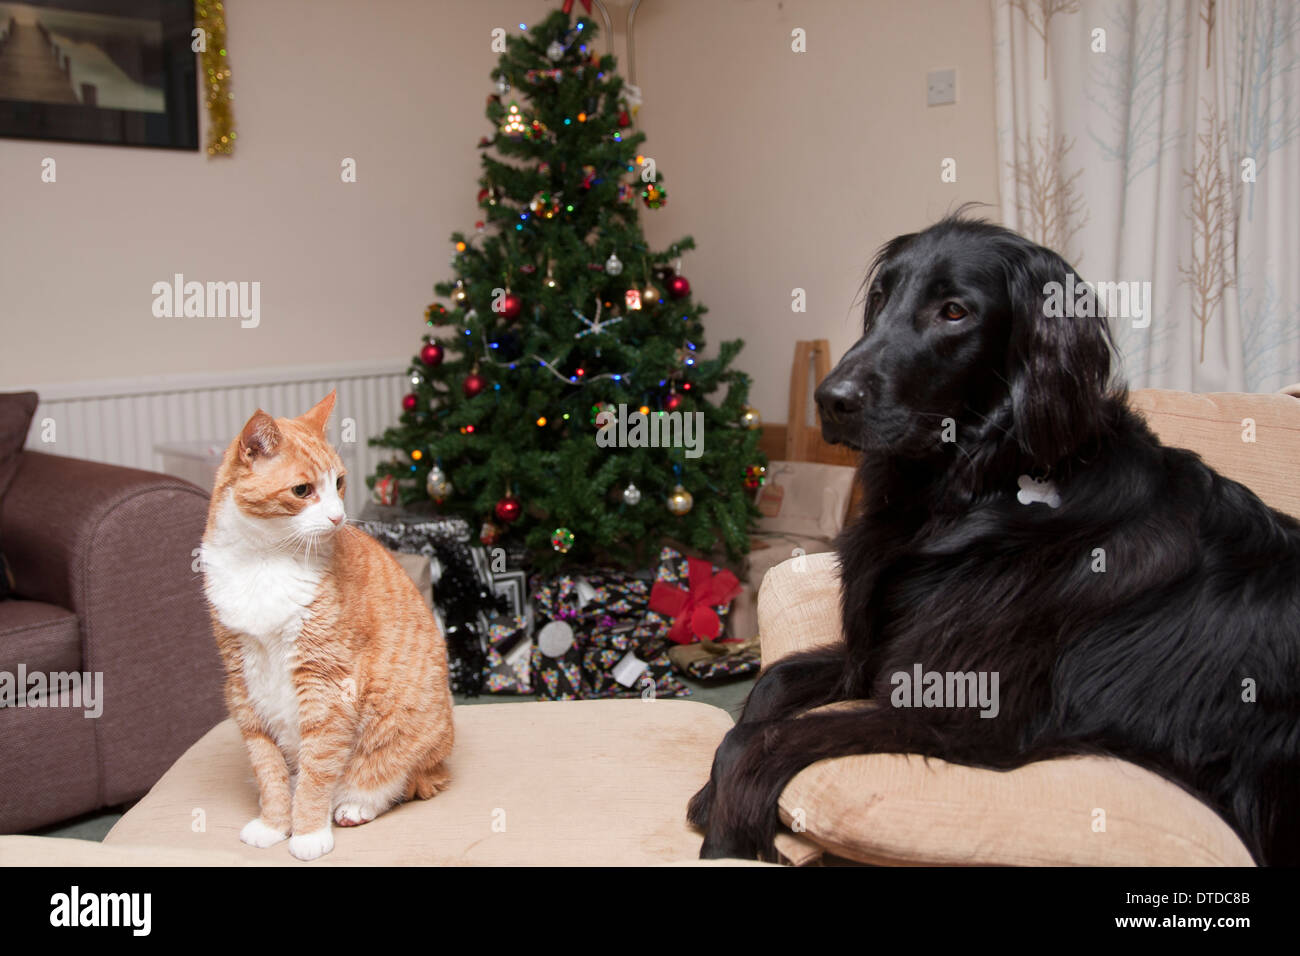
[[654, 196], [432, 354], [632, 299], [624, 119], [679, 287], [755, 476], [549, 281], [489, 533], [631, 495], [599, 409], [503, 86], [680, 501], [613, 265], [460, 295], [409, 402], [562, 540], [749, 418], [555, 52], [508, 509], [545, 204], [437, 485], [514, 126], [672, 402], [512, 305], [385, 490], [474, 383]]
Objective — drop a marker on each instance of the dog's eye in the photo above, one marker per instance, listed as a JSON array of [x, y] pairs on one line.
[[302, 491], [952, 311]]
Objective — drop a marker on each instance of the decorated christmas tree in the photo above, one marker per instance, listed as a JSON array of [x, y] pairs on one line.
[[561, 396]]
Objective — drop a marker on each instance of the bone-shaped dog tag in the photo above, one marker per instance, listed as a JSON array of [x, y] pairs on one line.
[[1032, 490]]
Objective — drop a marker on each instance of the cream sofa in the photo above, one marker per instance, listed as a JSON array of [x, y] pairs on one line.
[[606, 782]]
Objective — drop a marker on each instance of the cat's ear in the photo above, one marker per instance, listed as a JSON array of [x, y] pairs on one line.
[[318, 416], [259, 438]]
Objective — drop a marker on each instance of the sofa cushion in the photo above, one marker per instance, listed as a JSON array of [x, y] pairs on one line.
[[41, 636], [903, 809], [601, 782], [1216, 425]]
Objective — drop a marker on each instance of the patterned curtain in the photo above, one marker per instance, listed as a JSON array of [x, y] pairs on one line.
[[1156, 145]]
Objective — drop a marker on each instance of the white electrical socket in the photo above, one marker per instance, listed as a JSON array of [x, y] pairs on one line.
[[940, 87]]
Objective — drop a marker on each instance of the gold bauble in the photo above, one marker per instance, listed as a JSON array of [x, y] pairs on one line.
[[680, 501], [750, 417]]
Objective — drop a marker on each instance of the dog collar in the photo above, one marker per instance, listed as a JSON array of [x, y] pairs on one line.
[[1034, 490]]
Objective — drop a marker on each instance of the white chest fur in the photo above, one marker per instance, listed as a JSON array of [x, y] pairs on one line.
[[264, 595]]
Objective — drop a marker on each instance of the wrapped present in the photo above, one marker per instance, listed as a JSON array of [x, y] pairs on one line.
[[621, 660], [717, 660], [593, 641], [690, 598], [557, 662], [509, 667]]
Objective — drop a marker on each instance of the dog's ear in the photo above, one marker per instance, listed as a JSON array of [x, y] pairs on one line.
[[1058, 363]]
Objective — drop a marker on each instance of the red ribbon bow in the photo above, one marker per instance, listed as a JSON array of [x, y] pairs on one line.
[[692, 611], [568, 5]]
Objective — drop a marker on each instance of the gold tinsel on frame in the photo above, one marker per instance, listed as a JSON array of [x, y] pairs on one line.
[[210, 17]]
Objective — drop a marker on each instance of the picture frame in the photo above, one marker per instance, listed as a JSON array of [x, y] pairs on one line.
[[109, 72]]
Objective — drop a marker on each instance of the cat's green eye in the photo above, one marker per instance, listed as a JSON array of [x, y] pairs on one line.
[[302, 491]]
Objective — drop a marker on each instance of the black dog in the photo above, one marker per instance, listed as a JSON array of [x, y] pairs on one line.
[[1182, 655]]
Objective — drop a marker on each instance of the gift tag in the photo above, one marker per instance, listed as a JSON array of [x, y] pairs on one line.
[[769, 501], [629, 669], [586, 593], [555, 639], [520, 659]]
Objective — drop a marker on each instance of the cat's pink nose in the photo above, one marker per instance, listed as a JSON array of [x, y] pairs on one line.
[[336, 521]]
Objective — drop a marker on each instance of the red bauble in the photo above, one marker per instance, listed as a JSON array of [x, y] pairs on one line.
[[624, 119], [673, 402], [431, 354], [679, 287], [474, 384], [508, 509], [511, 306], [409, 402]]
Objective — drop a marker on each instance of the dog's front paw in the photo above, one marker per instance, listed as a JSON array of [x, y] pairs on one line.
[[311, 846], [261, 834]]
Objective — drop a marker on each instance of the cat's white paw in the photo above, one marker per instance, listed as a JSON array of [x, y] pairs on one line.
[[261, 835], [352, 813], [311, 846]]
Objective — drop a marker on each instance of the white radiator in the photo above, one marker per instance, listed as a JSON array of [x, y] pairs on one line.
[[122, 422]]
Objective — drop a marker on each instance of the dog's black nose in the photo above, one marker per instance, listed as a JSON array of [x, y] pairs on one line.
[[839, 399]]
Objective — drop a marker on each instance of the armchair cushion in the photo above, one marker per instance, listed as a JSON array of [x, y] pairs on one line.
[[903, 809]]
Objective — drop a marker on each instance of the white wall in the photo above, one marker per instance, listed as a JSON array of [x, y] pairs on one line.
[[789, 169]]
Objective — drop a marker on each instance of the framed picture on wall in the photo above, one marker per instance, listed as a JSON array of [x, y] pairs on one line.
[[120, 72]]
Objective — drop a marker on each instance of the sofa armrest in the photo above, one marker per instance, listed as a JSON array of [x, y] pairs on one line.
[[799, 606], [116, 547]]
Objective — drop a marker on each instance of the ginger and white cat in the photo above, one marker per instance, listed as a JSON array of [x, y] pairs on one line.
[[335, 670]]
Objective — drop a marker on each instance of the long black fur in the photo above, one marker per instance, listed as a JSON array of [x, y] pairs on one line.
[[1149, 660]]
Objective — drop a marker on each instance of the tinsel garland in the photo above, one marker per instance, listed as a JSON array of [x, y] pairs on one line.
[[210, 17]]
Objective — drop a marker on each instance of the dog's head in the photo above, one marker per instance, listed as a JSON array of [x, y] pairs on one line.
[[957, 345]]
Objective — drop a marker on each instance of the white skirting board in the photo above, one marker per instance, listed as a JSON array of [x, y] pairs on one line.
[[122, 422]]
